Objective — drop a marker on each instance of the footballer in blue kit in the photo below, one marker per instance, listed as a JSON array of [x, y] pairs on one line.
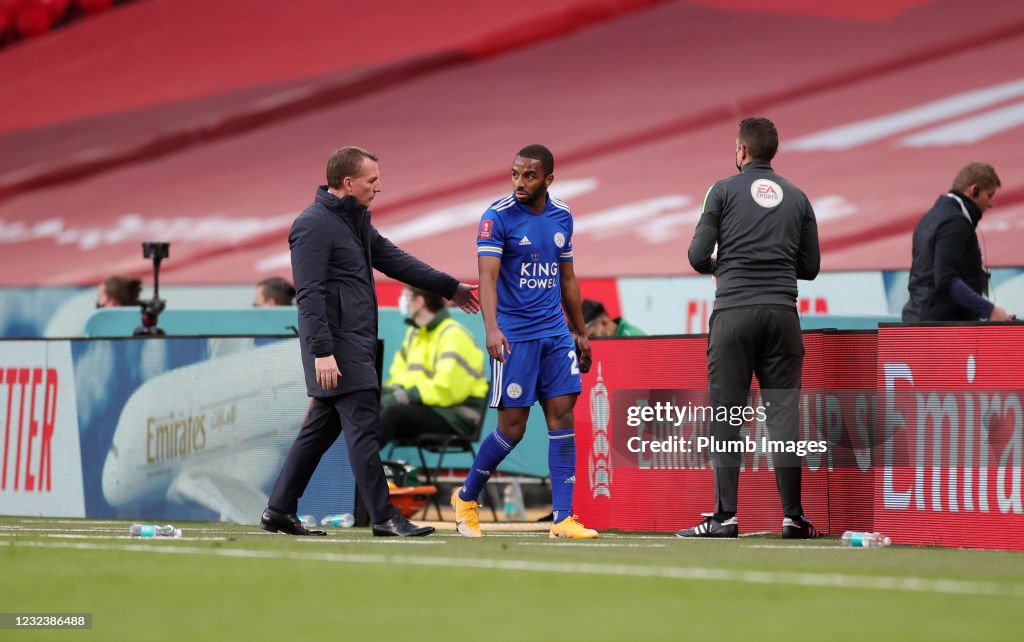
[[527, 289]]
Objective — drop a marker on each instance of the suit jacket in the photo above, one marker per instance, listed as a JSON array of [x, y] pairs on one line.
[[334, 249]]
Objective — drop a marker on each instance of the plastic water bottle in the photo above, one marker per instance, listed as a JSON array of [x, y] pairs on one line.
[[859, 539], [509, 498], [150, 530], [307, 520], [512, 498], [345, 520]]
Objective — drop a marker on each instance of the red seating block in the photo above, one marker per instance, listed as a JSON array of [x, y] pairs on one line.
[[33, 19], [94, 6], [57, 8]]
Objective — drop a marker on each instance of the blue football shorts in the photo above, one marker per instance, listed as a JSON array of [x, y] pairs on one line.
[[536, 370]]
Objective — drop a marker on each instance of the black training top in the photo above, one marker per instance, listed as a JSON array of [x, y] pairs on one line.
[[767, 238]]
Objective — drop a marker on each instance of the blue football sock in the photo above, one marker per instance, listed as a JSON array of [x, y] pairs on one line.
[[562, 464], [493, 450]]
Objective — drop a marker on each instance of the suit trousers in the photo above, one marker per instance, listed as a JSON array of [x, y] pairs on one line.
[[357, 414], [761, 340]]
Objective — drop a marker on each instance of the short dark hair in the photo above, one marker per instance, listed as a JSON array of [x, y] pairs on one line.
[[592, 310], [277, 289], [760, 137], [122, 289], [539, 153], [975, 173], [346, 161], [435, 302]]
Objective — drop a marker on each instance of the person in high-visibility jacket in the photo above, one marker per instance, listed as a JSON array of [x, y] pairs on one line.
[[437, 382]]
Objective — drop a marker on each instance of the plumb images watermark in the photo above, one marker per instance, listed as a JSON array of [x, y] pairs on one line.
[[892, 426], [799, 447], [674, 415]]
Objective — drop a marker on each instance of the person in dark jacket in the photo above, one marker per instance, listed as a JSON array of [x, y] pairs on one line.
[[767, 238], [334, 250], [948, 280]]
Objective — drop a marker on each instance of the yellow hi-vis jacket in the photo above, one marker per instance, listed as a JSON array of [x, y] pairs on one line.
[[441, 366]]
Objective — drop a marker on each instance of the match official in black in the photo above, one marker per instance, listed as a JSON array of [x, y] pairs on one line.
[[334, 251], [767, 238]]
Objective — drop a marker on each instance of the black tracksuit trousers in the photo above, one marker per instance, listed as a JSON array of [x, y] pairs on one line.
[[761, 340]]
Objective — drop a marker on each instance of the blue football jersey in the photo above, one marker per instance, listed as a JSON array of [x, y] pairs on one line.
[[531, 248]]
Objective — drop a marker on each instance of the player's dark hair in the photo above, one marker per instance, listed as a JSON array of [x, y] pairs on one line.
[[278, 290], [347, 161], [760, 137], [539, 153], [435, 302], [122, 289]]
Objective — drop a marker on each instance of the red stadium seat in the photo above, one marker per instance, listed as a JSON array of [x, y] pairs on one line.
[[23, 19], [8, 12], [91, 7], [33, 19], [57, 8]]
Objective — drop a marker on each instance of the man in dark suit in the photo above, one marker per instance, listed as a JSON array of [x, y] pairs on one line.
[[948, 279], [334, 251]]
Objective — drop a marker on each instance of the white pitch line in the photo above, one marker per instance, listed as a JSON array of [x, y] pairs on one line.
[[25, 529], [223, 531], [798, 547], [99, 531], [707, 539], [488, 533], [40, 520], [100, 534], [816, 580], [575, 544], [130, 537], [376, 540]]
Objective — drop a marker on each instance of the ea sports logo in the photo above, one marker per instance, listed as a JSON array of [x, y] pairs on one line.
[[514, 390], [559, 240], [766, 193]]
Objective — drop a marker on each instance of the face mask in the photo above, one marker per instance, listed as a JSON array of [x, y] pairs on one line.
[[403, 306]]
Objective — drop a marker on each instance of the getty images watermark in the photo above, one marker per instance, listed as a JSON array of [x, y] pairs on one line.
[[670, 414], [974, 429]]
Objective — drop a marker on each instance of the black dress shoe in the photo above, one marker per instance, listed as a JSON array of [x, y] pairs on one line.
[[289, 524], [401, 527]]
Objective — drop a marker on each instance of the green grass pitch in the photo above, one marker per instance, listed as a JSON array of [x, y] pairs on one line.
[[236, 583]]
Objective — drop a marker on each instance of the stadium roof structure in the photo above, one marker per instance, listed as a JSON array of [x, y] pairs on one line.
[[878, 105]]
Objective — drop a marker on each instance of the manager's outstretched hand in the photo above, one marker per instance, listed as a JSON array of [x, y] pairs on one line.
[[465, 298]]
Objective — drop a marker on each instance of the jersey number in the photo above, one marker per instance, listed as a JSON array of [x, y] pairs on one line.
[[575, 367]]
